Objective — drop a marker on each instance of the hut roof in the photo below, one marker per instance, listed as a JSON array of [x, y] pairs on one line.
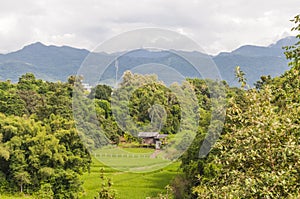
[[151, 135], [147, 134]]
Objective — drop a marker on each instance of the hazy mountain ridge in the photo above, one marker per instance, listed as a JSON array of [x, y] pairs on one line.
[[53, 63], [271, 50], [47, 62]]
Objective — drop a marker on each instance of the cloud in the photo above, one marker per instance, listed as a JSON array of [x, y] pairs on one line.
[[215, 25]]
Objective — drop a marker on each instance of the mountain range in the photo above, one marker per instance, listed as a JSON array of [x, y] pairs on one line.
[[54, 63]]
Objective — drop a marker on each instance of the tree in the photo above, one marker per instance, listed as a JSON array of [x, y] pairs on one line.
[[258, 153], [27, 82], [157, 115], [22, 178], [102, 92], [49, 153], [11, 103], [106, 191]]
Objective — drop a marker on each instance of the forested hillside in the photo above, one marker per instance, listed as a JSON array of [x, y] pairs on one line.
[[257, 155]]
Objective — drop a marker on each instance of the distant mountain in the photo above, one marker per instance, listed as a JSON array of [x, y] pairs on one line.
[[47, 62], [255, 61], [53, 63]]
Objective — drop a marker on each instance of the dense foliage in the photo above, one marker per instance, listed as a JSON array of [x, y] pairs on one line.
[[149, 102], [44, 150], [258, 153], [41, 151]]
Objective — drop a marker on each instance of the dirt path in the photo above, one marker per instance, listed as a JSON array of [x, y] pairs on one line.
[[153, 155]]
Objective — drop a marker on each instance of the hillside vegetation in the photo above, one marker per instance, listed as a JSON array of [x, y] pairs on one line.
[[257, 155], [48, 140]]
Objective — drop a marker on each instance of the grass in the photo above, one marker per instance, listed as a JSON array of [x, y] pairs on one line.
[[131, 159], [129, 185], [118, 150], [139, 150]]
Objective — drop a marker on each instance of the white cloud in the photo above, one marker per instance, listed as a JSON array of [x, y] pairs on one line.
[[215, 25]]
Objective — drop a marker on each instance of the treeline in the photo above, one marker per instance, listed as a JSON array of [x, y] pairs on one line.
[[257, 155], [41, 152], [47, 129], [141, 103]]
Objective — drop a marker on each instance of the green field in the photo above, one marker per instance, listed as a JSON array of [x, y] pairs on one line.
[[137, 160], [130, 185], [127, 185]]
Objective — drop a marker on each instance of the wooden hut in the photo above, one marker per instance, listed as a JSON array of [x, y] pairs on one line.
[[152, 138]]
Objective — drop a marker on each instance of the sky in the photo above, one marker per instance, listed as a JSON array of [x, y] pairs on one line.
[[216, 26]]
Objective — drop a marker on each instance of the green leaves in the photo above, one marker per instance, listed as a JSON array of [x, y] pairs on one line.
[[106, 191], [241, 77], [258, 155], [34, 154]]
